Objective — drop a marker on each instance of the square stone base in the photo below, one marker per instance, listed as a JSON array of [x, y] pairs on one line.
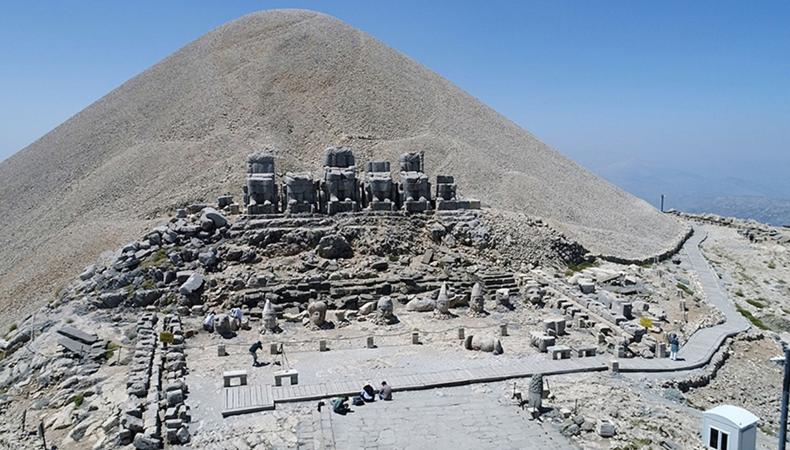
[[300, 208], [381, 206], [262, 209], [341, 207], [414, 206]]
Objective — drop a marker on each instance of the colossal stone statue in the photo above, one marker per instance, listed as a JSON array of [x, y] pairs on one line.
[[445, 192], [260, 193], [300, 193], [380, 191], [415, 189], [340, 189]]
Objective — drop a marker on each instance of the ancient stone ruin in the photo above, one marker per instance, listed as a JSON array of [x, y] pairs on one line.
[[260, 192], [381, 193], [339, 190]]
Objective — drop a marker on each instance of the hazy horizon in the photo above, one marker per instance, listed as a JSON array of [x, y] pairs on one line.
[[689, 100]]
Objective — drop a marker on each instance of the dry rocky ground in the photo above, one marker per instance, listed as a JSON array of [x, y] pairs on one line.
[[203, 260]]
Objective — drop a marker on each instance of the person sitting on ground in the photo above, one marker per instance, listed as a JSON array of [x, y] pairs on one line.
[[236, 315], [208, 322], [254, 352], [385, 393], [340, 405], [368, 394]]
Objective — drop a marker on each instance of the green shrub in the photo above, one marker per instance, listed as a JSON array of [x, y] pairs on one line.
[[750, 317], [772, 265], [685, 289], [79, 399], [578, 267], [756, 303], [11, 329], [739, 293], [156, 259], [110, 351]]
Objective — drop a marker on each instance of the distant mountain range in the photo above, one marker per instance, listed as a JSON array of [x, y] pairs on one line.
[[773, 211], [759, 197]]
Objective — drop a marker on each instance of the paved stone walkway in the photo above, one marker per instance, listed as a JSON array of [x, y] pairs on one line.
[[454, 371], [450, 418]]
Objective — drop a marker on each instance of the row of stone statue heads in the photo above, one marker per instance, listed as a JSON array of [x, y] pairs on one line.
[[340, 191]]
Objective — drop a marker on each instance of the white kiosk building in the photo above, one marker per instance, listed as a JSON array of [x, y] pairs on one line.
[[728, 427]]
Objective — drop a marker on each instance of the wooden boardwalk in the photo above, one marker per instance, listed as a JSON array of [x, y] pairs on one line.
[[247, 399], [696, 353]]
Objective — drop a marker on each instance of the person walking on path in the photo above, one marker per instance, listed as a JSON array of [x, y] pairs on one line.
[[674, 346], [254, 352]]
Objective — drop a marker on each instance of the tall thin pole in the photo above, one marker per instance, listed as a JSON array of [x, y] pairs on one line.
[[785, 394], [662, 202], [41, 433]]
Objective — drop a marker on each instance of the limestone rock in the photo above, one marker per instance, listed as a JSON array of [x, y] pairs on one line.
[[606, 429], [222, 325], [183, 435], [218, 219], [421, 304], [334, 246], [192, 285]]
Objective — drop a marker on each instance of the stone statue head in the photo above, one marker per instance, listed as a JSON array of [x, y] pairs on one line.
[[476, 299], [317, 312], [442, 301], [385, 307], [385, 312], [269, 316]]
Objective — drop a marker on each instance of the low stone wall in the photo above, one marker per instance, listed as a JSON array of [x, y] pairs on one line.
[[140, 419], [174, 409], [666, 254]]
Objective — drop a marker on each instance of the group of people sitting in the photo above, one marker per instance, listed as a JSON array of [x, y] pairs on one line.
[[366, 395], [236, 314]]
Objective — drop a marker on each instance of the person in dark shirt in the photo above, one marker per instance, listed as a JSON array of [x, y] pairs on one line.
[[368, 394], [254, 352], [340, 405]]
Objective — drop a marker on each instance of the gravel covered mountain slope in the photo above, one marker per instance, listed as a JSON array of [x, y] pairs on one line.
[[294, 81]]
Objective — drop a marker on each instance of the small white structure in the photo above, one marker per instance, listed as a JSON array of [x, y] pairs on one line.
[[728, 427]]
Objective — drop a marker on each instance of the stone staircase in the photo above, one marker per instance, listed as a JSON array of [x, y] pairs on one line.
[[491, 281]]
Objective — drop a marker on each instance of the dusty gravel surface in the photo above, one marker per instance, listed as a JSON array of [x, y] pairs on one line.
[[295, 81]]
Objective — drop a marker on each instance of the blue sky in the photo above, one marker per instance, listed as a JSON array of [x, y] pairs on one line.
[[639, 91]]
